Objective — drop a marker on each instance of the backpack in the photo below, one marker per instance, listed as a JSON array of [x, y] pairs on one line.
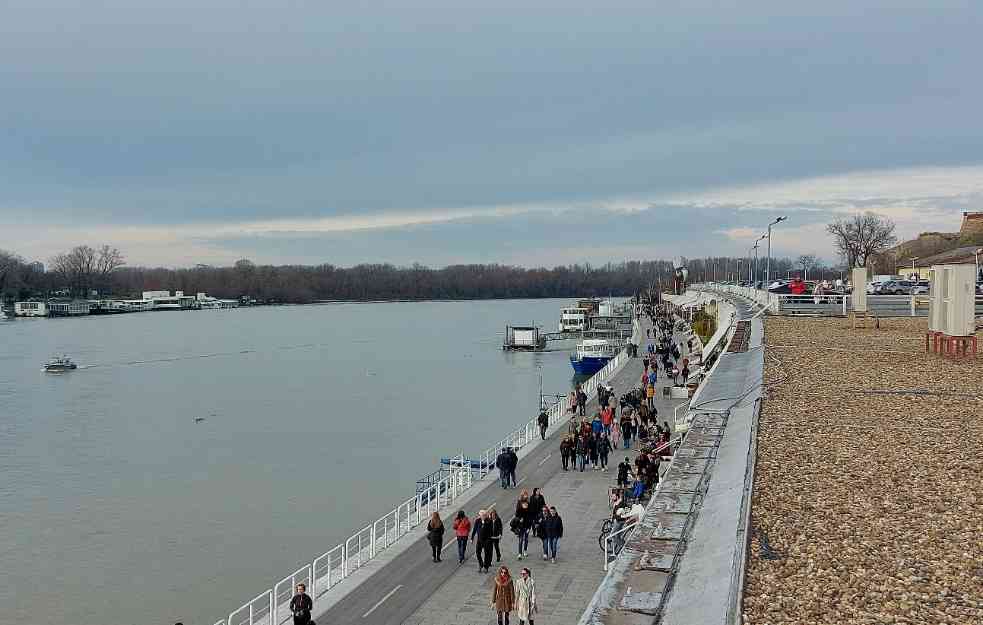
[[515, 524]]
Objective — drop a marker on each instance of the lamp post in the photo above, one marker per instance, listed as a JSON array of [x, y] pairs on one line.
[[754, 281], [977, 255], [913, 259], [768, 266]]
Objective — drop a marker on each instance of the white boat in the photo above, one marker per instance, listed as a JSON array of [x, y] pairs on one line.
[[573, 319], [592, 355], [59, 364]]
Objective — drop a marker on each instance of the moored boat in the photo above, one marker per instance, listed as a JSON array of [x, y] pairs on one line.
[[592, 355]]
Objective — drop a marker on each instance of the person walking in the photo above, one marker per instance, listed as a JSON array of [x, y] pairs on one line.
[[582, 451], [592, 450], [502, 464], [627, 431], [544, 422], [482, 535], [525, 597], [496, 535], [603, 449], [503, 595], [553, 529], [565, 450], [520, 526], [615, 433], [623, 470], [513, 464], [581, 400], [435, 535], [462, 529], [301, 605], [537, 502], [541, 533]]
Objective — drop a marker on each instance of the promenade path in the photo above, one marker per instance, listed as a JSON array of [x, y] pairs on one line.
[[412, 590]]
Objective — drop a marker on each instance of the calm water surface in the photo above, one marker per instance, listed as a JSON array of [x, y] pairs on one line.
[[117, 508]]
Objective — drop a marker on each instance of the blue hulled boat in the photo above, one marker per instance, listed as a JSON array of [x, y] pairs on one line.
[[592, 355]]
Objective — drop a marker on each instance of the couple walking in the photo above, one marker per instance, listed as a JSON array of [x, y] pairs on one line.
[[517, 596]]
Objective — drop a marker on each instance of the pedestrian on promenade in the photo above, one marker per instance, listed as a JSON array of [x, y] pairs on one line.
[[566, 449], [482, 534], [525, 597], [537, 502], [301, 605], [572, 403], [496, 534], [627, 429], [435, 535], [573, 427], [582, 451], [540, 531], [607, 416], [503, 595], [544, 422], [553, 529], [592, 450], [623, 470], [513, 465], [603, 449], [596, 425], [502, 464], [685, 373], [462, 529], [615, 434], [581, 400], [520, 526]]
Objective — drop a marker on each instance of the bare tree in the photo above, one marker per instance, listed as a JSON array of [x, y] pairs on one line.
[[807, 262], [10, 267], [861, 237], [83, 267]]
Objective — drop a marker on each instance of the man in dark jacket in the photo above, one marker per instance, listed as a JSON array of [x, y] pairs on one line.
[[581, 401], [623, 470], [553, 531], [481, 533], [513, 464], [502, 464], [565, 452], [544, 422]]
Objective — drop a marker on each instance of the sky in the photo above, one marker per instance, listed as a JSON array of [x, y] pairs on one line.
[[530, 133]]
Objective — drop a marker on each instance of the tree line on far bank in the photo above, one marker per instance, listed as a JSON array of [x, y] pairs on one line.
[[85, 270]]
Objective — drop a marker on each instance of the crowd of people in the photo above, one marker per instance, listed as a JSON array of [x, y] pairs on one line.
[[588, 443]]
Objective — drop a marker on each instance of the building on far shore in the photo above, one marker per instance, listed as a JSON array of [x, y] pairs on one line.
[[30, 309], [163, 300], [68, 307]]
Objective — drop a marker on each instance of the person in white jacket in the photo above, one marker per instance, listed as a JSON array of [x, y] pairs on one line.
[[525, 597]]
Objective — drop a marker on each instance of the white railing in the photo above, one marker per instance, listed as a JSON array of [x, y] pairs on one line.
[[336, 564], [609, 551]]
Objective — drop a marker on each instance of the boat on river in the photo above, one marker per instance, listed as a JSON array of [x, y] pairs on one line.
[[59, 364], [592, 355]]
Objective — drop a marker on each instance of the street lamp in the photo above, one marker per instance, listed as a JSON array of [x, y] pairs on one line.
[[754, 282], [913, 259], [768, 266]]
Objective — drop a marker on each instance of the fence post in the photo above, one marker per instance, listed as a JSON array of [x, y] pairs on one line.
[[273, 618], [912, 297], [844, 304]]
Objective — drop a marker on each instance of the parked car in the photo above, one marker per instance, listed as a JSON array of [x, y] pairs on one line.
[[895, 287], [922, 287]]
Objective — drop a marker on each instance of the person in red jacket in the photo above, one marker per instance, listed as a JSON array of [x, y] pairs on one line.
[[462, 530], [797, 286]]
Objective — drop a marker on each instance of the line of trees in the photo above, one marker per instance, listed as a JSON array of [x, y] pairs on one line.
[[860, 240]]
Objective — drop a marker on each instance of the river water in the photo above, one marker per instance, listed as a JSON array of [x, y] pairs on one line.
[[116, 507]]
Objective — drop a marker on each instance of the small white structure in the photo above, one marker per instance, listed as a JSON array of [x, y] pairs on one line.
[[206, 302], [68, 308], [30, 309], [573, 319], [163, 300], [956, 297]]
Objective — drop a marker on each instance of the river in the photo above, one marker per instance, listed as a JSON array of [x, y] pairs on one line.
[[117, 507]]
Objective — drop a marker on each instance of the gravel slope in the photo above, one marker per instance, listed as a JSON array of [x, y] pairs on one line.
[[871, 502]]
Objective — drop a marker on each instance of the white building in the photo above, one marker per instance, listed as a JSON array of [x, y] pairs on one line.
[[206, 302], [30, 309], [163, 300], [68, 308]]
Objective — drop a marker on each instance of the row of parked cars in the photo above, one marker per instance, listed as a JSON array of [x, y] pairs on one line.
[[906, 287]]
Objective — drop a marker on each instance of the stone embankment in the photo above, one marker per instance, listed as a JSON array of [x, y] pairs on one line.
[[867, 505]]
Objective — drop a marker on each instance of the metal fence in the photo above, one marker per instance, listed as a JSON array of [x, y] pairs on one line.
[[435, 493], [837, 305]]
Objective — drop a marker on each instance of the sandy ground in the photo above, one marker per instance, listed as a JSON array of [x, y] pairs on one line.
[[868, 506]]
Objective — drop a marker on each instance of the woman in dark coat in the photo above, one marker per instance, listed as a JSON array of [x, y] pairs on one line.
[[301, 606], [435, 535]]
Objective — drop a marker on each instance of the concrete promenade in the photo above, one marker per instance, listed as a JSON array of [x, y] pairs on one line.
[[410, 589], [686, 562]]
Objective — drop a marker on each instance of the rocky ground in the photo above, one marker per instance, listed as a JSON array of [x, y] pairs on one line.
[[868, 495]]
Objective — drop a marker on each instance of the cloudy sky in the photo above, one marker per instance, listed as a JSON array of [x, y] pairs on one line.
[[536, 133]]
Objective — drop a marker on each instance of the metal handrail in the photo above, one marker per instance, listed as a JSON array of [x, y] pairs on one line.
[[609, 539], [337, 563]]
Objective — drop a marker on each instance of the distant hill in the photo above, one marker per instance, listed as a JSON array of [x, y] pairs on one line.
[[932, 243]]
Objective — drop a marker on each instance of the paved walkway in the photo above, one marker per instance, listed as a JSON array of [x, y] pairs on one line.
[[565, 588], [410, 589]]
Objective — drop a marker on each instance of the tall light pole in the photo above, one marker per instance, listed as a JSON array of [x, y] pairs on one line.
[[913, 259], [768, 266], [754, 275], [753, 269]]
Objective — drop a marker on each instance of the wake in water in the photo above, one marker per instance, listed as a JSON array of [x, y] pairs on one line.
[[240, 352]]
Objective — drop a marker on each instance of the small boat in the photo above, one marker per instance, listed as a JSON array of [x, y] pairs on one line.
[[592, 355], [59, 364]]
